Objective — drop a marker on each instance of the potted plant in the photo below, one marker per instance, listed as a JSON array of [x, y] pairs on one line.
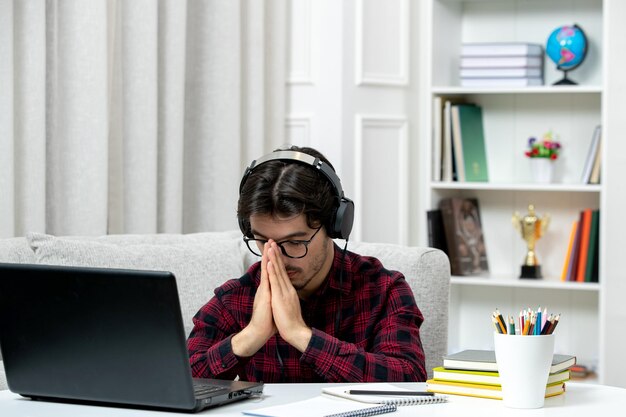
[[542, 154]]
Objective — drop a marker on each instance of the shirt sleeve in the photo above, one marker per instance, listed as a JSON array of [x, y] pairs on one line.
[[209, 344], [395, 354]]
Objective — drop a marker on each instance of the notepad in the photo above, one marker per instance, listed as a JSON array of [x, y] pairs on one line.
[[321, 406], [400, 400]]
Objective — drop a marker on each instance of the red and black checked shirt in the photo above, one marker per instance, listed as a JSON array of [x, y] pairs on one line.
[[378, 337]]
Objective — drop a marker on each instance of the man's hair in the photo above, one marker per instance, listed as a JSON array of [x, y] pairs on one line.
[[288, 188]]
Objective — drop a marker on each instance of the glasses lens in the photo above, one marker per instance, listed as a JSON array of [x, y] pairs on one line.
[[294, 249], [255, 246]]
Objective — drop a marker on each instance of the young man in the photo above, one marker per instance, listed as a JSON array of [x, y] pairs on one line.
[[308, 311]]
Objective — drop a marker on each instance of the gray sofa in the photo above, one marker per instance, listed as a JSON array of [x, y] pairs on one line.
[[202, 261]]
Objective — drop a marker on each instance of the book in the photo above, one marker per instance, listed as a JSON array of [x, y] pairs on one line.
[[502, 62], [482, 391], [446, 162], [580, 371], [485, 360], [595, 171], [573, 262], [457, 145], [501, 82], [464, 236], [485, 377], [585, 224], [570, 245], [320, 406], [400, 400], [501, 72], [472, 140], [501, 49], [436, 232], [596, 251], [591, 155], [592, 251], [448, 165], [437, 137]]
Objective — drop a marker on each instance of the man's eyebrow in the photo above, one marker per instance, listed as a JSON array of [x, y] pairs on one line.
[[283, 238]]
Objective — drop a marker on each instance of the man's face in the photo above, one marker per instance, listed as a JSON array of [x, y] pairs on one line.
[[308, 273]]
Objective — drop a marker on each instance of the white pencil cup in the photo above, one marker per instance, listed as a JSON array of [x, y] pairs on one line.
[[524, 365]]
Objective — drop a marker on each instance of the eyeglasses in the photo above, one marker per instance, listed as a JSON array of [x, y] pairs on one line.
[[295, 249]]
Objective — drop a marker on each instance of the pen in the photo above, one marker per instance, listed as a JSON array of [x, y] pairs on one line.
[[400, 393]]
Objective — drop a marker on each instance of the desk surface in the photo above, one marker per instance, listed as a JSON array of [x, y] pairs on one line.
[[579, 400]]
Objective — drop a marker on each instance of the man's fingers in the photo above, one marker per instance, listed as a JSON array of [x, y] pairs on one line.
[[277, 273]]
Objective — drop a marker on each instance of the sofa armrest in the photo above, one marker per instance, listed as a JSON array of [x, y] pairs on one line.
[[3, 377]]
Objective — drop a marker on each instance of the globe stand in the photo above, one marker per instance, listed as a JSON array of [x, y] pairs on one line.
[[565, 80]]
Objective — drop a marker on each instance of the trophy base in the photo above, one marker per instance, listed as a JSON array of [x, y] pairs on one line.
[[531, 272]]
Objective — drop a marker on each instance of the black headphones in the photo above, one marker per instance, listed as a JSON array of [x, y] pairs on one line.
[[343, 215]]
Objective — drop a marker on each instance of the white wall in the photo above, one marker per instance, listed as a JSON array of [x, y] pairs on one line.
[[353, 94]]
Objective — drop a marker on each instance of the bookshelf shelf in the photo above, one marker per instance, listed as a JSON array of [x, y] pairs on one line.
[[518, 283], [562, 188], [578, 89]]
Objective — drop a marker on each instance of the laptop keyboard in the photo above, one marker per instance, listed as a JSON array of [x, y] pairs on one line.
[[203, 389]]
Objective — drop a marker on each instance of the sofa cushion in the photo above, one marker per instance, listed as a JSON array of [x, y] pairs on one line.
[[16, 250], [427, 271], [200, 262]]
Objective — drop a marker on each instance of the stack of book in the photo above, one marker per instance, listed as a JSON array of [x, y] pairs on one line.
[[459, 147], [581, 260], [501, 64], [474, 373]]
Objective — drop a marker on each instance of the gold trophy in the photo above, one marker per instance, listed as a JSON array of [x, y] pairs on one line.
[[531, 228]]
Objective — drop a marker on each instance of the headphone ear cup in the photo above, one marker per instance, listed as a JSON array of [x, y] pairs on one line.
[[342, 220]]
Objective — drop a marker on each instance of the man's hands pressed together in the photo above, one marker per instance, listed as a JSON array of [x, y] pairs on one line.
[[285, 302], [276, 309]]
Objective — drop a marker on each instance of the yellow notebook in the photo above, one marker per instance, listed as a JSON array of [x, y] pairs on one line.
[[480, 390], [483, 377]]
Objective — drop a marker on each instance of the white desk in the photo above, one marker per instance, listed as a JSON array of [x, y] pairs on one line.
[[582, 400]]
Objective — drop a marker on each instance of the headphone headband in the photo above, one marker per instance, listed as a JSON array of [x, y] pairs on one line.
[[295, 156], [343, 215]]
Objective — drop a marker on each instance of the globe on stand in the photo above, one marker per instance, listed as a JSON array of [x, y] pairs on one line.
[[567, 47]]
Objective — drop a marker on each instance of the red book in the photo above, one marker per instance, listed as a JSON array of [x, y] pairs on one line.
[[584, 245]]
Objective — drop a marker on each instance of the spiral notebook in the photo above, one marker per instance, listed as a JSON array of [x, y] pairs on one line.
[[400, 400], [322, 406], [332, 402]]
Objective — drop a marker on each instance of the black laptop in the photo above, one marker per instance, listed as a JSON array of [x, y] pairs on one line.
[[101, 335]]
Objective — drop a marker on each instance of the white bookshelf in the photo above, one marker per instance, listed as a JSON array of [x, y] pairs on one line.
[[510, 117]]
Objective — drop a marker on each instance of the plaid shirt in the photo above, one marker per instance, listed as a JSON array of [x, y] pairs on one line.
[[378, 337]]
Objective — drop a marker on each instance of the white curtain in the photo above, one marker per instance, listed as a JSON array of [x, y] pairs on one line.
[[135, 116]]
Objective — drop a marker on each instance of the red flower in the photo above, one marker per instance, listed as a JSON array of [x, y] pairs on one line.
[[553, 156]]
